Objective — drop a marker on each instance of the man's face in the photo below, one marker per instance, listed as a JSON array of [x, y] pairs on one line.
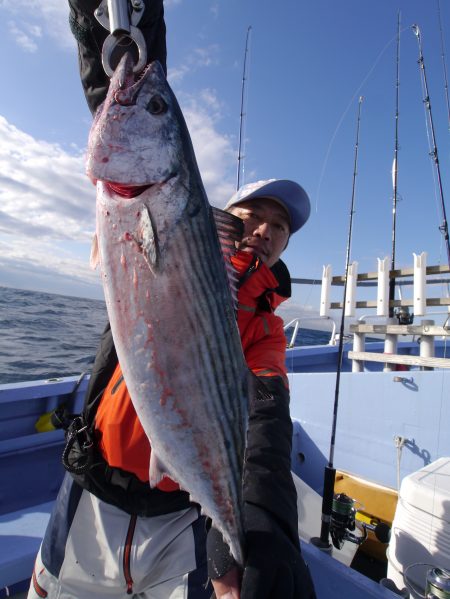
[[266, 228]]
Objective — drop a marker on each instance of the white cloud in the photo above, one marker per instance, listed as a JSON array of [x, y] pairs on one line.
[[47, 214], [216, 156], [176, 74], [215, 8], [199, 58], [39, 19], [215, 152], [47, 203], [41, 257], [43, 190], [26, 36], [205, 57]]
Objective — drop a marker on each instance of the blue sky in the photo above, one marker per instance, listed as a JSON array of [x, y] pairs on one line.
[[307, 66]]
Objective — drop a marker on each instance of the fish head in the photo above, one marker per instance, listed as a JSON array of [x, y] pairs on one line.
[[138, 136], [141, 157]]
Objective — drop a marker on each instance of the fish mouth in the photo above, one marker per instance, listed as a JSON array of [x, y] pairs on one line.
[[126, 83], [127, 191], [132, 191]]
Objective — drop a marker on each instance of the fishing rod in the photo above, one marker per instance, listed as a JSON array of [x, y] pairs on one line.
[[394, 177], [434, 152], [444, 66], [241, 121], [323, 542]]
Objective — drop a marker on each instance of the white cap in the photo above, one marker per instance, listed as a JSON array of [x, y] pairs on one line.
[[289, 194]]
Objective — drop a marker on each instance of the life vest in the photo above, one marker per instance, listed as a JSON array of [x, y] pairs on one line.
[[120, 437]]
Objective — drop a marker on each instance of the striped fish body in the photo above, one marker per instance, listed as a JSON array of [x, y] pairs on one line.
[[168, 297]]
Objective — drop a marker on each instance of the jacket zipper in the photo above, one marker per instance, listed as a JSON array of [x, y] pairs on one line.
[[127, 555], [254, 265]]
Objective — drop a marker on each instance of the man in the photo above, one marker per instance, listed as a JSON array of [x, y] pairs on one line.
[[271, 211], [110, 535]]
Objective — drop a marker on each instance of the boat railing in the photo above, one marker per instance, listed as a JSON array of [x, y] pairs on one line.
[[295, 322], [418, 276], [365, 317], [427, 330]]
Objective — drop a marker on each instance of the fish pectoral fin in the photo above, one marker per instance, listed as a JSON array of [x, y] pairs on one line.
[[147, 239], [157, 470], [94, 258]]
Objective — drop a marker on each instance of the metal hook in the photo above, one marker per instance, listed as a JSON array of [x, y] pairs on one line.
[[114, 15], [112, 41]]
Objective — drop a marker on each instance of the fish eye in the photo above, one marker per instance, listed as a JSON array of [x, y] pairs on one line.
[[157, 105]]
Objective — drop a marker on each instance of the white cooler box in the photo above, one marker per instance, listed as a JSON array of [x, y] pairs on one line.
[[421, 526]]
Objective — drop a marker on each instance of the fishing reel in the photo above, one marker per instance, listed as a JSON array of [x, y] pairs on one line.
[[438, 584], [344, 523], [403, 315], [435, 579]]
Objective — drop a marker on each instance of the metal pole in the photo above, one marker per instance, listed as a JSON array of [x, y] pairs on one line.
[[330, 472], [394, 177], [241, 120], [434, 152], [444, 66]]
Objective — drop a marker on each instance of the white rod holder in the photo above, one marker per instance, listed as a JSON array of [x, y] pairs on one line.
[[359, 341], [325, 291], [390, 345], [383, 287], [350, 300], [419, 291], [427, 343]]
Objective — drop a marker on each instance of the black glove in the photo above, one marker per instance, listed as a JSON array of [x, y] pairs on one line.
[[220, 560], [90, 36], [274, 565]]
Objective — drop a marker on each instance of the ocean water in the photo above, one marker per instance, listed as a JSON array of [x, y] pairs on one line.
[[44, 336]]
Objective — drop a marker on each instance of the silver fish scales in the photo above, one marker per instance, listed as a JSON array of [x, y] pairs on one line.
[[168, 297]]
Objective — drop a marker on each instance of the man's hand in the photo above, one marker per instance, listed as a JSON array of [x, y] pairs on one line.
[[274, 566], [228, 586]]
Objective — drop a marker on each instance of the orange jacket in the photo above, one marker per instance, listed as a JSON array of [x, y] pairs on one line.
[[262, 333], [121, 438]]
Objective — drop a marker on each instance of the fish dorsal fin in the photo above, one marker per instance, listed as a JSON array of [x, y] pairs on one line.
[[230, 229]]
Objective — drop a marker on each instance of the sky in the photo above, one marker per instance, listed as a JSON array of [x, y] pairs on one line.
[[308, 64]]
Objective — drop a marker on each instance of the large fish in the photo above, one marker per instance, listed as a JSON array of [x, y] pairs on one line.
[[168, 295]]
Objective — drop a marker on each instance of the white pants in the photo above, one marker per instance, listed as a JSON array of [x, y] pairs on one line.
[[109, 553]]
